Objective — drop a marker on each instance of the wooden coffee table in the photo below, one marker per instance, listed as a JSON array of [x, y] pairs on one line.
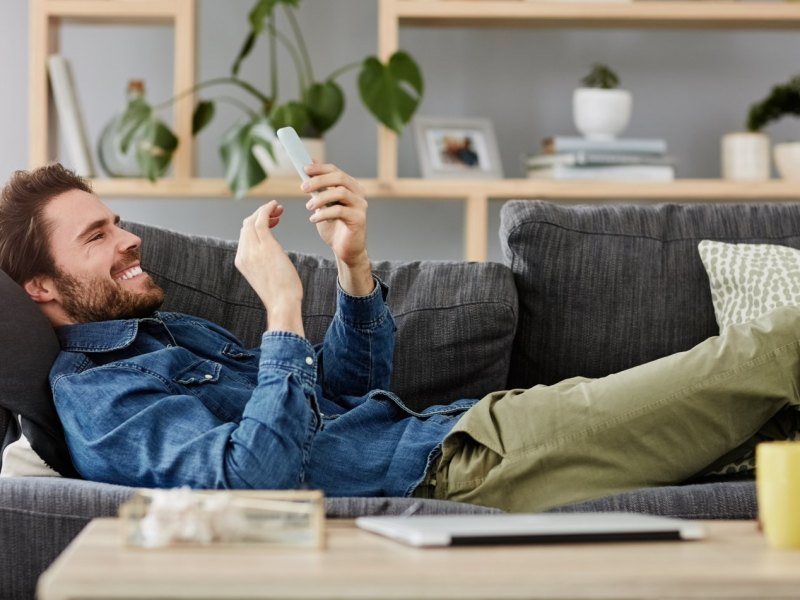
[[734, 562]]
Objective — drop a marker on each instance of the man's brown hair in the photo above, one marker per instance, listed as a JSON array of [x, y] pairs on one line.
[[24, 232]]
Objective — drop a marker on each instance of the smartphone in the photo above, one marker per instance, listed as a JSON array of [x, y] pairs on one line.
[[297, 152]]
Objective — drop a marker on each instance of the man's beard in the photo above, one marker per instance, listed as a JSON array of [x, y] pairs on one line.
[[102, 299]]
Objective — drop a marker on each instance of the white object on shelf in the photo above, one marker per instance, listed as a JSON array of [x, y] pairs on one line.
[[282, 165], [745, 156], [601, 114], [69, 115], [787, 160]]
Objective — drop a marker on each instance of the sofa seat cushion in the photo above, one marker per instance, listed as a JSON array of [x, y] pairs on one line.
[[720, 500], [455, 320], [606, 287]]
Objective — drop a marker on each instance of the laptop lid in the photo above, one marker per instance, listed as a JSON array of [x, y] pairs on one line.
[[453, 530]]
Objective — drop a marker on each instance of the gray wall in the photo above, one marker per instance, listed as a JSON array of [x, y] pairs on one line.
[[689, 87]]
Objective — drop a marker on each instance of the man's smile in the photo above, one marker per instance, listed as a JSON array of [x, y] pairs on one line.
[[128, 273]]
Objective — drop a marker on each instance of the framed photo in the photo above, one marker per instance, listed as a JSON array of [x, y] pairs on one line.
[[457, 148]]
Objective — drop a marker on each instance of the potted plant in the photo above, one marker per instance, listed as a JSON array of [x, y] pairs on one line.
[[782, 100], [391, 92], [601, 110]]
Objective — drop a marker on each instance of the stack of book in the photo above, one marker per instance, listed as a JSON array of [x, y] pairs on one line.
[[620, 159]]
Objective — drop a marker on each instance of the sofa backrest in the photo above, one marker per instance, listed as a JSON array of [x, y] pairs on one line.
[[455, 320], [606, 287]]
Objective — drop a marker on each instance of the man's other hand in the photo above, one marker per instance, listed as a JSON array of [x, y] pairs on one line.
[[266, 267]]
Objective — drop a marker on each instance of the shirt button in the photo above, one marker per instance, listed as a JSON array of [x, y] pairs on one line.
[[309, 360], [208, 376]]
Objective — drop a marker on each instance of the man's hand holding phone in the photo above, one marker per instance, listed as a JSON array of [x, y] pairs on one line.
[[338, 207]]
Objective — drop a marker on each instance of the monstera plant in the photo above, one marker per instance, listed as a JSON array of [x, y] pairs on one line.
[[391, 92]]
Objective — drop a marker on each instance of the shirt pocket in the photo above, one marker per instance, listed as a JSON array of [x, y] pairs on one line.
[[204, 380], [201, 372]]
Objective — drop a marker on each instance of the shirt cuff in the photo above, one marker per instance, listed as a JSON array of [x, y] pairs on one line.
[[290, 352], [363, 311]]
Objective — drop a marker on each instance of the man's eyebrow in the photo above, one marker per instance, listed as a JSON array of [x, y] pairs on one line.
[[94, 225]]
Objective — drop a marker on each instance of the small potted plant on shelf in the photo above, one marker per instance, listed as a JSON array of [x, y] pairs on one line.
[[599, 108], [781, 101], [390, 91]]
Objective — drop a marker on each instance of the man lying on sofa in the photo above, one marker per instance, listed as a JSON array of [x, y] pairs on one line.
[[158, 399]]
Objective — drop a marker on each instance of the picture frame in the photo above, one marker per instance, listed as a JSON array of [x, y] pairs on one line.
[[457, 148]]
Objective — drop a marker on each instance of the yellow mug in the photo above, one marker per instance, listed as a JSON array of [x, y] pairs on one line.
[[778, 492]]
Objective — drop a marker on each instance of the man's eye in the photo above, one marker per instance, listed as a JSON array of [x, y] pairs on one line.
[[97, 236]]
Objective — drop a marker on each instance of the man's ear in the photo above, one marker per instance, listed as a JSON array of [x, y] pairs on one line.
[[41, 289]]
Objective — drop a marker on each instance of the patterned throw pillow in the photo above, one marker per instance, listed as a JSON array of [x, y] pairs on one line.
[[749, 280]]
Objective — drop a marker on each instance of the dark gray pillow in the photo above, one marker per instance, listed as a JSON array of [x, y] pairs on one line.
[[605, 287], [455, 320], [28, 347]]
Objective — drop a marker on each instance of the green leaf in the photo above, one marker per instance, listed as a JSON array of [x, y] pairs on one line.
[[781, 101], [292, 114], [203, 113], [135, 117], [263, 9], [247, 47], [601, 77], [325, 103], [242, 170], [154, 151], [391, 92]]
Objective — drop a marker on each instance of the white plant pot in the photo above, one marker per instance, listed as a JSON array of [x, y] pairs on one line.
[[787, 160], [745, 156], [282, 166], [601, 114]]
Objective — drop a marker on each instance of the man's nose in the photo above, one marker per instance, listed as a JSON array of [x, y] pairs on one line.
[[129, 241]]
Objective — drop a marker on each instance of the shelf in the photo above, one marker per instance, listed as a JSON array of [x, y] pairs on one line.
[[681, 190], [525, 13], [142, 11], [47, 15]]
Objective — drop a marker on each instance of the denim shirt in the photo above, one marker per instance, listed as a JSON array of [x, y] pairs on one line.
[[174, 400]]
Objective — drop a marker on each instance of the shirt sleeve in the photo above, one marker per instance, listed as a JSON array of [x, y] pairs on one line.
[[127, 425], [358, 350]]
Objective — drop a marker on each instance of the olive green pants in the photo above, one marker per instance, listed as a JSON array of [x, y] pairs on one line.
[[655, 424]]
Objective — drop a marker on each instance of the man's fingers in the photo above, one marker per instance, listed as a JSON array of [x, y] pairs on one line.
[[337, 212], [336, 195], [328, 175]]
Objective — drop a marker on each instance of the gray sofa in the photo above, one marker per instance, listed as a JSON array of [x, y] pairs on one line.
[[586, 290]]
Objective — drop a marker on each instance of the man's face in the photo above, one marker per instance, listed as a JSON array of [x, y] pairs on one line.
[[98, 273]]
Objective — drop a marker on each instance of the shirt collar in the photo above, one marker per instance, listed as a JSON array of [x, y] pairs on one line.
[[101, 336]]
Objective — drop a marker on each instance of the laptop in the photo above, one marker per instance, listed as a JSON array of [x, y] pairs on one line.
[[456, 530]]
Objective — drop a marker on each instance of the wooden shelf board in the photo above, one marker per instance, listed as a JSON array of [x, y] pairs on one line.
[[679, 190], [117, 11], [710, 14]]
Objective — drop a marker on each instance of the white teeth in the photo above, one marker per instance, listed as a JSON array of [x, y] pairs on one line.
[[130, 273]]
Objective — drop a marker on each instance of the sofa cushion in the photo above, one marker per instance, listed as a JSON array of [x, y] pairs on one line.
[[605, 287], [719, 500], [749, 280], [455, 320], [28, 347]]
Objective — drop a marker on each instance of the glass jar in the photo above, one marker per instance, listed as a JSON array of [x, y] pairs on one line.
[[114, 161]]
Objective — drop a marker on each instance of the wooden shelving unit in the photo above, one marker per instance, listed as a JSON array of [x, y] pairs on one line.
[[46, 15]]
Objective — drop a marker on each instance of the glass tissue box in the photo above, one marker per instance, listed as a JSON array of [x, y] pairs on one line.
[[159, 518]]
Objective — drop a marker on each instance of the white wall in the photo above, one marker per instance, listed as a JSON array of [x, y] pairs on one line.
[[689, 87]]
